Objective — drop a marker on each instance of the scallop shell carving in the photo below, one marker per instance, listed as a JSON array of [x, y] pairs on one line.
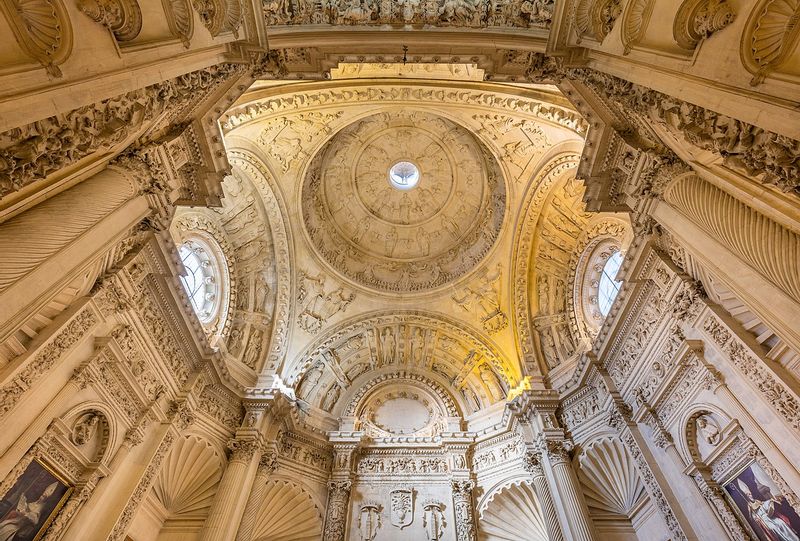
[[189, 478], [634, 22], [609, 478], [180, 20], [287, 513], [42, 28], [771, 36], [512, 514]]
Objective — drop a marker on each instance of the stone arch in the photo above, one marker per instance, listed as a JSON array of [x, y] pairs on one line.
[[249, 164], [544, 181], [451, 350], [101, 436]]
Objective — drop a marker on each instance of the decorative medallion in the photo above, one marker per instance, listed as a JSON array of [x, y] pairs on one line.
[[403, 202]]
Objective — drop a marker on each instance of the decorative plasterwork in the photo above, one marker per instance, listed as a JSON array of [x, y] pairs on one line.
[[595, 18], [698, 19], [279, 498], [441, 13], [43, 29], [180, 19], [45, 147], [122, 17], [609, 478], [635, 19], [770, 37], [411, 96], [392, 342], [403, 240]]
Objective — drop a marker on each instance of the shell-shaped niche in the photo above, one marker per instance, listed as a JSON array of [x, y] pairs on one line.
[[189, 478], [609, 478], [287, 513], [513, 513]]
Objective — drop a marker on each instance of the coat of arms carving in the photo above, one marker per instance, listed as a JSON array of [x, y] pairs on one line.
[[402, 507]]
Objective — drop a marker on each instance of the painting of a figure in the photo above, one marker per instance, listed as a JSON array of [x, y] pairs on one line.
[[763, 506], [27, 509]]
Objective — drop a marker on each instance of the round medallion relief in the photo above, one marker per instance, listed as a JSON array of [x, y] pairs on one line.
[[403, 201]]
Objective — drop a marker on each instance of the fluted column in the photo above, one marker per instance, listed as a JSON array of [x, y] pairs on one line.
[[533, 465], [266, 465], [336, 512], [466, 529], [231, 498], [575, 514]]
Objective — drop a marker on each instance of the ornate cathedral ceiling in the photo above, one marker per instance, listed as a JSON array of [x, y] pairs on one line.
[[415, 209]]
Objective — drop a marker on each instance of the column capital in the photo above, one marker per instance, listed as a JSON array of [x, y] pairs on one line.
[[243, 450]]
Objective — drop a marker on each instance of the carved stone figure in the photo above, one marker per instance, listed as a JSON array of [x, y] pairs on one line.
[[433, 520], [369, 521], [708, 429], [417, 347], [311, 380], [84, 430], [388, 345], [492, 383]]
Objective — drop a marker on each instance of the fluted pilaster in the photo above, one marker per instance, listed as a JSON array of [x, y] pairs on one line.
[[566, 483], [237, 482], [533, 465], [266, 465]]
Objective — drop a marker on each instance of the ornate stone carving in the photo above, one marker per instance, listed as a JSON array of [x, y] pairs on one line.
[[411, 239], [635, 19], [447, 13], [315, 304], [369, 520], [484, 299], [755, 371], [596, 18], [336, 514], [35, 368], [769, 157], [742, 229], [466, 529], [698, 19], [401, 507], [34, 151], [433, 520], [769, 37], [43, 29], [180, 19], [243, 450], [122, 17], [85, 428]]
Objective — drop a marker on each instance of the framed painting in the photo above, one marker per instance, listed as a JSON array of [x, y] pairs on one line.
[[761, 506], [27, 509]]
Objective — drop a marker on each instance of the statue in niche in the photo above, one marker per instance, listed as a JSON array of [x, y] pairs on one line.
[[310, 382], [261, 292], [85, 429], [369, 521], [388, 345], [433, 520], [361, 229], [417, 347], [390, 242], [331, 397], [423, 242], [470, 398], [492, 382], [708, 429]]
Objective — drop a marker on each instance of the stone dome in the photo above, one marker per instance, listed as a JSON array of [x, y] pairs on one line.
[[403, 201]]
